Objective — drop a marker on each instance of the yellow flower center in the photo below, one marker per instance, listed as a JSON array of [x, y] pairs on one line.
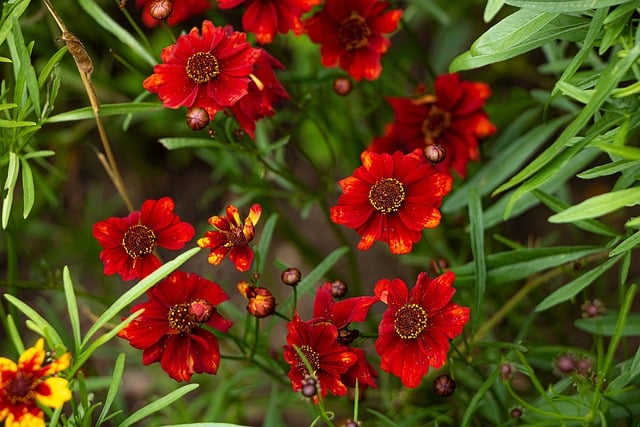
[[354, 32], [181, 319], [386, 195], [312, 357], [139, 241], [435, 124], [202, 67], [235, 237], [410, 321]]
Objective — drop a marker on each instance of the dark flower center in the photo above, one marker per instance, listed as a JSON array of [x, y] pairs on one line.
[[235, 237], [312, 357], [386, 195], [181, 318], [354, 32], [202, 67], [410, 321], [436, 123], [20, 390], [139, 241]]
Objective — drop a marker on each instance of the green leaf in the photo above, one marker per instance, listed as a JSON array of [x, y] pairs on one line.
[[136, 291], [178, 142], [205, 425], [491, 9], [624, 151], [10, 186], [15, 123], [606, 83], [39, 321], [105, 110], [478, 397], [598, 205], [50, 65], [72, 307], [28, 188], [626, 245], [608, 169], [479, 262], [630, 369], [581, 95], [605, 325], [265, 241], [17, 10], [564, 6], [591, 225], [26, 69], [116, 377], [306, 284], [572, 288], [106, 22], [158, 404]]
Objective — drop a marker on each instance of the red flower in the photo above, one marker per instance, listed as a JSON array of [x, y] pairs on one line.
[[415, 329], [329, 360], [265, 18], [264, 91], [391, 198], [232, 237], [29, 383], [209, 71], [341, 314], [350, 35], [170, 329], [182, 10], [454, 118], [129, 242]]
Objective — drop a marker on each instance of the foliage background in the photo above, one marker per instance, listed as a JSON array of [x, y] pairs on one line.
[[564, 77]]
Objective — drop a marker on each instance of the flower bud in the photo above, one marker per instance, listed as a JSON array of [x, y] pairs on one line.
[[444, 386], [351, 423], [516, 412], [338, 288], [160, 9], [197, 118], [342, 86], [262, 303], [435, 153], [591, 310], [309, 387], [506, 371], [291, 276], [346, 336], [565, 363], [201, 310]]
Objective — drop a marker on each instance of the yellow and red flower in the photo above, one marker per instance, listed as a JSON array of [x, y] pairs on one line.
[[454, 118], [266, 18], [180, 12], [341, 314], [232, 237], [264, 91], [350, 34], [209, 70], [391, 198], [170, 330], [415, 330], [128, 242], [29, 383], [328, 359]]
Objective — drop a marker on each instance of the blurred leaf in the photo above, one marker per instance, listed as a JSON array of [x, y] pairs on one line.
[[599, 205], [615, 23], [178, 143], [571, 289], [265, 241], [626, 152], [106, 22], [105, 110], [116, 378], [521, 263], [39, 321], [626, 245], [477, 249], [591, 225], [491, 9], [13, 334], [630, 369], [26, 69], [28, 188], [9, 186], [564, 5], [519, 33], [15, 10], [205, 425], [478, 397], [605, 325], [158, 404]]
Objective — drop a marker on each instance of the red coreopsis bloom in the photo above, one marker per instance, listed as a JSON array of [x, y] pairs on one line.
[[415, 329], [328, 360], [209, 70], [350, 34], [341, 314], [30, 382], [128, 242], [232, 237], [266, 18], [264, 91], [170, 330], [180, 12], [391, 198], [454, 117]]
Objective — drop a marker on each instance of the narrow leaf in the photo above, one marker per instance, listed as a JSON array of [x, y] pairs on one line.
[[158, 404], [605, 325], [28, 188], [105, 110], [599, 205], [491, 9], [116, 377], [477, 248], [608, 169], [478, 397], [564, 6], [38, 320], [626, 245], [26, 69], [624, 151], [265, 241], [9, 186], [72, 307]]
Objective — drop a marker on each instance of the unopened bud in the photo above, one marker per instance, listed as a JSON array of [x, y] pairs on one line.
[[197, 118], [516, 412], [444, 386], [291, 276], [160, 9], [262, 303], [309, 387], [435, 153], [346, 336], [201, 310], [342, 86], [338, 288]]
